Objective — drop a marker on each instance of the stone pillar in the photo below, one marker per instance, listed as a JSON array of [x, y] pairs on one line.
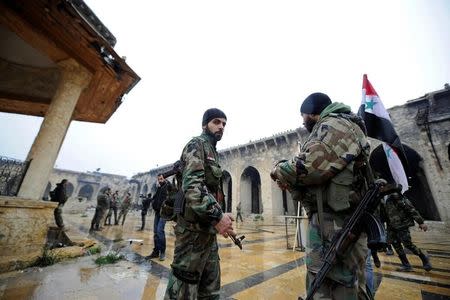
[[45, 149]]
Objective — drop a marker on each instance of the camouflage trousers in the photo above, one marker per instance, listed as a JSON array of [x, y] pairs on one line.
[[399, 237], [346, 280], [109, 215], [195, 269], [58, 216], [122, 214]]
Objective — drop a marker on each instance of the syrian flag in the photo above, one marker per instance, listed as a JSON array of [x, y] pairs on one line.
[[380, 127], [396, 167]]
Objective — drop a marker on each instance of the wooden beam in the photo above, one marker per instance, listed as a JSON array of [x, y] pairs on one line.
[[23, 107], [30, 34]]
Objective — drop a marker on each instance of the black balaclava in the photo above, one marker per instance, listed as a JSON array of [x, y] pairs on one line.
[[314, 104], [209, 115]]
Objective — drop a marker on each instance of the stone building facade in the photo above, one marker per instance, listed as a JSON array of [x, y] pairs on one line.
[[84, 187], [423, 125]]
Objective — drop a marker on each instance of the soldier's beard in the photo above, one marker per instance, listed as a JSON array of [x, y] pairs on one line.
[[309, 125], [216, 135]]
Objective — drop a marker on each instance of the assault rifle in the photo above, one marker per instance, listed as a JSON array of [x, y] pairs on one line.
[[177, 167], [362, 220], [237, 240]]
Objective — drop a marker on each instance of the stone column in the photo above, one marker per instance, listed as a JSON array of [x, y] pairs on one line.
[[45, 149]]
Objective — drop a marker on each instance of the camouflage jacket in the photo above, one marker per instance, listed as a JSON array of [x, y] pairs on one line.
[[398, 212], [126, 203], [201, 180], [328, 154]]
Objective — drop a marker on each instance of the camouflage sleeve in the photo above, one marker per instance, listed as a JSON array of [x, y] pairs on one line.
[[202, 203], [324, 155], [411, 211]]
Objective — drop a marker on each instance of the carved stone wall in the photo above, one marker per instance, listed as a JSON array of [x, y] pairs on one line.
[[423, 124]]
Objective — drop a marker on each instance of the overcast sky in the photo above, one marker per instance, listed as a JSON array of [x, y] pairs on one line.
[[255, 60]]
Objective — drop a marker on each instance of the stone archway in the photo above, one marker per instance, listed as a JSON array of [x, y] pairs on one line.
[[144, 190], [69, 189], [135, 187], [227, 191], [86, 191], [282, 203], [419, 192], [250, 195]]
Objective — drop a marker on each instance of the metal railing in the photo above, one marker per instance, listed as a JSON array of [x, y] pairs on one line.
[[12, 172]]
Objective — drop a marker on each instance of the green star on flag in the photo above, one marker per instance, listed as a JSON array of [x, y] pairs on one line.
[[388, 152], [370, 104]]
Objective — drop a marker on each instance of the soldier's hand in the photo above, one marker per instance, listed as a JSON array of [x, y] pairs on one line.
[[225, 225], [424, 227]]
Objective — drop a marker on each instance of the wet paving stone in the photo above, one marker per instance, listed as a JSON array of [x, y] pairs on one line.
[[264, 269]]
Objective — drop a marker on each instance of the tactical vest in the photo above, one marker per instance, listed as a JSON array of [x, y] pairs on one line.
[[342, 191]]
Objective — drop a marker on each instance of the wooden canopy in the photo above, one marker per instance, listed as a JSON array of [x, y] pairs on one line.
[[36, 35]]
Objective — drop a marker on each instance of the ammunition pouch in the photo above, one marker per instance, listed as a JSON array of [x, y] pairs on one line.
[[186, 276], [339, 191], [179, 202]]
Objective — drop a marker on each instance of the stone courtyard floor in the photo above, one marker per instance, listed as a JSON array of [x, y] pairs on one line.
[[265, 269]]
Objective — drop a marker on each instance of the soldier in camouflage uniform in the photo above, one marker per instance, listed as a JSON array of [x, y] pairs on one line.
[[124, 208], [400, 214], [103, 202], [195, 270], [326, 178]]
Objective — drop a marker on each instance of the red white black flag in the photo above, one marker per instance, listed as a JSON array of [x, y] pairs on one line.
[[380, 127]]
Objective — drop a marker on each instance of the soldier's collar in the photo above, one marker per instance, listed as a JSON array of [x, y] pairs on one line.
[[205, 136]]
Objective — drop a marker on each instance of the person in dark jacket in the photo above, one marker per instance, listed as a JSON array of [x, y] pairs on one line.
[[159, 236], [145, 206], [60, 196]]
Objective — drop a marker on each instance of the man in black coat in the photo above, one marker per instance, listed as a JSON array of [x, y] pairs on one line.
[[145, 206], [159, 236], [59, 195]]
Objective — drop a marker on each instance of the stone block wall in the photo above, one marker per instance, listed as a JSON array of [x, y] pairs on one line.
[[23, 231]]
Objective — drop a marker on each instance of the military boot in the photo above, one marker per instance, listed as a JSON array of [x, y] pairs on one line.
[[376, 260], [154, 254], [406, 266], [425, 262]]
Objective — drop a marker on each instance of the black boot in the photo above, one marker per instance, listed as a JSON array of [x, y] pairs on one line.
[[425, 262], [154, 254], [406, 266], [376, 259]]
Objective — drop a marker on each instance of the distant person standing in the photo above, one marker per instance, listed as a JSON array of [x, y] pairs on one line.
[[238, 213], [124, 208], [103, 200], [59, 195], [159, 236], [145, 206], [112, 208]]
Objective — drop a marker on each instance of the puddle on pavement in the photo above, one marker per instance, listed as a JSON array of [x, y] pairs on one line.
[[81, 278]]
